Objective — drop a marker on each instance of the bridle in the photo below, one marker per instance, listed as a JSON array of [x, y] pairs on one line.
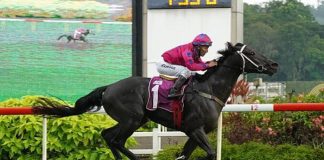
[[244, 57], [260, 68]]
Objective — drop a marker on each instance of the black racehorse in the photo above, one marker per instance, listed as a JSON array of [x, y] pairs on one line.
[[125, 102], [70, 37]]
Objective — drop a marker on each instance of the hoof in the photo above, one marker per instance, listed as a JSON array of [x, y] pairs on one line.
[[181, 158]]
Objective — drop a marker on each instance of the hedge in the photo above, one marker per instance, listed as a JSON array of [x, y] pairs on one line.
[[75, 137]]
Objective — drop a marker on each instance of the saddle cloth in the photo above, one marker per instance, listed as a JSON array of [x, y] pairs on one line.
[[159, 89]]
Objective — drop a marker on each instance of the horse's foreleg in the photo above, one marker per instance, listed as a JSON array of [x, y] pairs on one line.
[[188, 148], [200, 137]]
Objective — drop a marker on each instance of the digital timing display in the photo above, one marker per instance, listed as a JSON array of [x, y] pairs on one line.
[[183, 4]]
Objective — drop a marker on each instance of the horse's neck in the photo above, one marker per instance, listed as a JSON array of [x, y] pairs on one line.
[[221, 82]]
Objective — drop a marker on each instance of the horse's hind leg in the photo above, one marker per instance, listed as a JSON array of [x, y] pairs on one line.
[[127, 135], [126, 130], [108, 135], [117, 136]]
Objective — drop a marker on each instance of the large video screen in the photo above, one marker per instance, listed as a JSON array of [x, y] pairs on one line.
[[34, 61]]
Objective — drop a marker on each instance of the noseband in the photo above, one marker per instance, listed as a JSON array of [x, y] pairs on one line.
[[244, 57]]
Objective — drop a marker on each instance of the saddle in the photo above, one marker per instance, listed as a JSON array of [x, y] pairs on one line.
[[159, 88]]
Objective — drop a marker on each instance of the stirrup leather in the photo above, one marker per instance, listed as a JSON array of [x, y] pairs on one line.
[[173, 93]]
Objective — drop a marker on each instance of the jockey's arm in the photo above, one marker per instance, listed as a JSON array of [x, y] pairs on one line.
[[212, 63], [191, 64]]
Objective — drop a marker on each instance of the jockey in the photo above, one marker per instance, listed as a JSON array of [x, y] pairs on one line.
[[182, 62], [80, 32]]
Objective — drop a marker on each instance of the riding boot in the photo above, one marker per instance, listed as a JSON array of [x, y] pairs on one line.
[[176, 89]]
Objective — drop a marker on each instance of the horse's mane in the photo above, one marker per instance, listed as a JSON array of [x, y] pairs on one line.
[[229, 50], [205, 76]]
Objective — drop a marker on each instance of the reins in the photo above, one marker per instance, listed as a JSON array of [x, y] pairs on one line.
[[206, 95], [209, 96]]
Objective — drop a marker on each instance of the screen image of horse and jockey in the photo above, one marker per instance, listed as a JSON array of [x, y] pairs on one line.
[[35, 62]]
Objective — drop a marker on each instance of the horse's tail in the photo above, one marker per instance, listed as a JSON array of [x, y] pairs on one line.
[[82, 105], [64, 35]]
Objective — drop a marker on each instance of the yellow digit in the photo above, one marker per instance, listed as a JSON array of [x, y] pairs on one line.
[[184, 3], [170, 2], [195, 3], [211, 2]]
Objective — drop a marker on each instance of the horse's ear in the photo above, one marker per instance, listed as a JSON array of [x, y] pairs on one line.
[[222, 52], [228, 47], [239, 45]]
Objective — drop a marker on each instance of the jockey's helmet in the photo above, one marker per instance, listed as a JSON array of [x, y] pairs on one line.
[[202, 40]]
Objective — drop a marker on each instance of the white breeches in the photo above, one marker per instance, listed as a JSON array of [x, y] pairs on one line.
[[173, 70]]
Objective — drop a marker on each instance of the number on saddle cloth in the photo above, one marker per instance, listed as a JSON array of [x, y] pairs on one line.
[[159, 89]]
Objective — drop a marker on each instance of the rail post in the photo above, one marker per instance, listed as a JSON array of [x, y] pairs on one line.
[[44, 142]]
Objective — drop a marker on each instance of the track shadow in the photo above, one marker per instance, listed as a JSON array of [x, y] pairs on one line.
[[74, 45]]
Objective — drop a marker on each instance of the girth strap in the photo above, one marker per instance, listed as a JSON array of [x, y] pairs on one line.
[[206, 95]]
